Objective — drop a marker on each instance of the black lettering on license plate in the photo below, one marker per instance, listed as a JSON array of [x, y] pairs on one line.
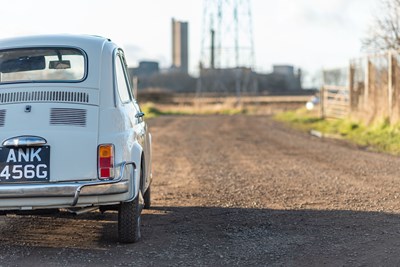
[[25, 164]]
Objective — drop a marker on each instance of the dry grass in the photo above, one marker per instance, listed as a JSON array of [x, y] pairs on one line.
[[224, 105]]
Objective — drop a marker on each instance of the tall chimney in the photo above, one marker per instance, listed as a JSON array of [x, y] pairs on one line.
[[212, 62]]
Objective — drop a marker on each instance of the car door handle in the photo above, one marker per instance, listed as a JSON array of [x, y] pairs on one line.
[[139, 115]]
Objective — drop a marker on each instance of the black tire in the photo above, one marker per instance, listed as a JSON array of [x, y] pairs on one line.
[[147, 198], [147, 194], [129, 220]]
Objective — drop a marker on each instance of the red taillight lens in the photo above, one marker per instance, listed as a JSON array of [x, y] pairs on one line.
[[106, 161]]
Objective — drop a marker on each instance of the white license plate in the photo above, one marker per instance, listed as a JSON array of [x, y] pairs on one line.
[[25, 164]]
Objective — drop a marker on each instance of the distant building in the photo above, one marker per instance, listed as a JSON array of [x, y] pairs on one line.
[[286, 70], [180, 47], [146, 68], [284, 79], [149, 75], [228, 80], [290, 78]]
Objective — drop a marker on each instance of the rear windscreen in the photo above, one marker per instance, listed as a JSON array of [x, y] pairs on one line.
[[42, 64]]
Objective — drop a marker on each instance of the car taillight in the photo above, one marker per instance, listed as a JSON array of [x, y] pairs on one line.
[[106, 161]]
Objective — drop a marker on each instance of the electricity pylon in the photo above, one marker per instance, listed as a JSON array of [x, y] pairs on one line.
[[227, 49]]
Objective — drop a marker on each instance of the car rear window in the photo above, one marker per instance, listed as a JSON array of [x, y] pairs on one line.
[[42, 64]]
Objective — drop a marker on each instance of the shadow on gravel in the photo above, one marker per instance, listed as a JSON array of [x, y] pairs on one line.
[[204, 235]]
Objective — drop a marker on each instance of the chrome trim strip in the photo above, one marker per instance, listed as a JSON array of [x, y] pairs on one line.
[[25, 140], [121, 175], [59, 190], [109, 187]]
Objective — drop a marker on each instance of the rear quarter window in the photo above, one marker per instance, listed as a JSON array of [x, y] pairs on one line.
[[122, 83], [42, 64]]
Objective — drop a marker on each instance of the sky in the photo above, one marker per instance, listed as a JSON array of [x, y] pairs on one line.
[[309, 34]]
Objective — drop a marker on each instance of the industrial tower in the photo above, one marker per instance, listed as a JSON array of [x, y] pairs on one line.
[[180, 47], [227, 49]]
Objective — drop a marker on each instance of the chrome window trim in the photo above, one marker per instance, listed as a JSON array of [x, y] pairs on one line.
[[117, 53]]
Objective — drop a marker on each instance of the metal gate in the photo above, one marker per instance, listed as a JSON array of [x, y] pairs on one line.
[[335, 101]]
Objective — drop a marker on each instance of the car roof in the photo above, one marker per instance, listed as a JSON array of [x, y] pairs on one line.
[[95, 48], [89, 43]]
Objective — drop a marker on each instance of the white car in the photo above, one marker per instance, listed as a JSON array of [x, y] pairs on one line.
[[72, 135]]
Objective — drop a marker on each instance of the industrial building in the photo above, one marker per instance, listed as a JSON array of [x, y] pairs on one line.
[[283, 79], [145, 68]]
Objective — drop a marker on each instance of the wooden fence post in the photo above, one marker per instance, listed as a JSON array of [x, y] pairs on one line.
[[351, 88], [322, 102], [367, 84], [395, 88], [390, 85]]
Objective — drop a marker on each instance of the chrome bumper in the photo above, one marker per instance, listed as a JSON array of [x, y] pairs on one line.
[[73, 190]]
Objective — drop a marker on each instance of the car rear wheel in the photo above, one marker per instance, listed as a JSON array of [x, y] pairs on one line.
[[147, 198], [129, 220]]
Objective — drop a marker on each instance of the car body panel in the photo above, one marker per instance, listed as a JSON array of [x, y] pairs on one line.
[[56, 111]]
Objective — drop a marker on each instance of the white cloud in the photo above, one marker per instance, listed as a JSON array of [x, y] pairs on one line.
[[310, 33]]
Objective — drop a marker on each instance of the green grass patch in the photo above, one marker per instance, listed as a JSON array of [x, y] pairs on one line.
[[381, 137], [150, 110]]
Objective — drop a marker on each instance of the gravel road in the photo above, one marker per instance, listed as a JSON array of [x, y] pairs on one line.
[[234, 190]]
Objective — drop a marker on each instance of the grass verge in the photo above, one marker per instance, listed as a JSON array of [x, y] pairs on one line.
[[381, 137], [152, 110]]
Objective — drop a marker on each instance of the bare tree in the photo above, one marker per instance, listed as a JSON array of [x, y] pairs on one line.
[[385, 31]]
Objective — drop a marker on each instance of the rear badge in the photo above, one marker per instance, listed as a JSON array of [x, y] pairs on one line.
[[28, 108]]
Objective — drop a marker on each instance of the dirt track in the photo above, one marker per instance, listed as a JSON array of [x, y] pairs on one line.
[[235, 190]]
